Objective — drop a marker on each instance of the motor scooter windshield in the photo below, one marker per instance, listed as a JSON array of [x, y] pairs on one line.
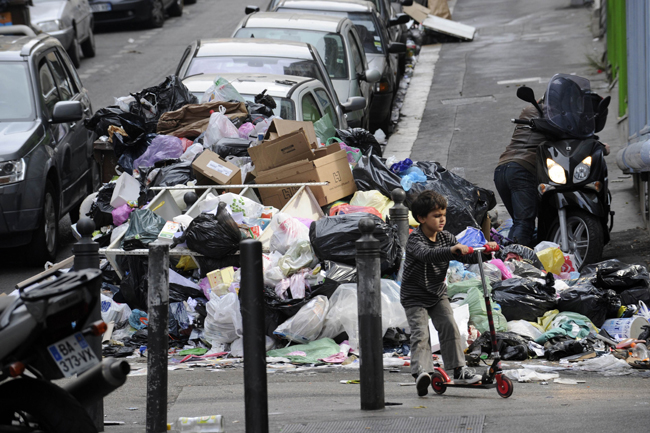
[[568, 106]]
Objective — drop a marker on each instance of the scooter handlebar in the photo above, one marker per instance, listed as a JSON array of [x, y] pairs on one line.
[[484, 249], [522, 122]]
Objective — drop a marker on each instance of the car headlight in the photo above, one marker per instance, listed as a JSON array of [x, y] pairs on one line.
[[49, 26], [582, 170], [12, 171], [555, 171]]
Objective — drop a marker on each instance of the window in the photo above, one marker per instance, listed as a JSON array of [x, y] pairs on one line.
[[61, 78], [328, 107], [48, 88], [16, 99], [310, 111], [356, 55]]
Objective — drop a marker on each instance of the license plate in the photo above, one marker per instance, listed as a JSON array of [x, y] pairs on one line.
[[5, 18], [73, 355], [100, 7]]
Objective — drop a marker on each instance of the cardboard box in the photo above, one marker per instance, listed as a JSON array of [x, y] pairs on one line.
[[221, 276], [283, 150], [280, 127], [331, 165], [210, 169], [168, 232]]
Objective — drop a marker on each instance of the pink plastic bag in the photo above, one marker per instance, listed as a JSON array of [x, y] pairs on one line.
[[162, 147], [121, 214], [245, 130], [186, 143], [505, 271]]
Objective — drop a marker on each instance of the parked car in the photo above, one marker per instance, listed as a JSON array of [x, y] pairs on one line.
[[296, 98], [264, 56], [149, 12], [337, 42], [382, 54], [47, 166], [70, 21]]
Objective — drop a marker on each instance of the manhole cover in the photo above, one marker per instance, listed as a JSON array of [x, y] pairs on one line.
[[438, 424], [465, 101]]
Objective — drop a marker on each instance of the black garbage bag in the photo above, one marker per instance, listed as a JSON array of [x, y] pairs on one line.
[[586, 299], [214, 236], [144, 228], [180, 292], [101, 210], [510, 344], [127, 150], [170, 95], [103, 118], [139, 338], [372, 174], [208, 264], [523, 298], [174, 172], [525, 253], [232, 147], [134, 286], [556, 350], [259, 109], [361, 139], [467, 205], [634, 295], [289, 307], [340, 272], [618, 276], [334, 238], [178, 318], [526, 270]]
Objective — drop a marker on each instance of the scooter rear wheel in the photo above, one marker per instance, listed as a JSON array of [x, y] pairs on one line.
[[505, 387], [438, 383], [51, 407]]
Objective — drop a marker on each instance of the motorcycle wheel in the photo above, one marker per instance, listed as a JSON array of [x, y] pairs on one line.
[[586, 237], [35, 405]]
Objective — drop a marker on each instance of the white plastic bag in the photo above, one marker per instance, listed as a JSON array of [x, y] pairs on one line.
[[191, 152], [219, 127], [113, 311], [545, 244], [524, 328], [307, 324], [221, 90], [246, 206], [461, 317], [298, 256], [287, 231], [223, 323]]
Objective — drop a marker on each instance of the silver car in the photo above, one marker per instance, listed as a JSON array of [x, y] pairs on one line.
[[70, 21], [337, 42], [263, 56]]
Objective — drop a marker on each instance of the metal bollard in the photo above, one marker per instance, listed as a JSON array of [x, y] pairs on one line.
[[252, 311], [86, 256], [158, 325], [371, 369], [399, 215]]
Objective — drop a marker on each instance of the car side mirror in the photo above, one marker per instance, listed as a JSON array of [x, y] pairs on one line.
[[67, 111], [399, 20], [371, 76], [396, 48], [251, 9], [355, 103]]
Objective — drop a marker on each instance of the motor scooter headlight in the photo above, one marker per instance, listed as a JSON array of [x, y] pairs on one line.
[[582, 170], [555, 171]]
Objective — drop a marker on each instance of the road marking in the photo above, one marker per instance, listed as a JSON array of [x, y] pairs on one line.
[[401, 142], [521, 80], [117, 56]]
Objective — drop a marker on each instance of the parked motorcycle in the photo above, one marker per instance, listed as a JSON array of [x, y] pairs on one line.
[[574, 211], [44, 330]]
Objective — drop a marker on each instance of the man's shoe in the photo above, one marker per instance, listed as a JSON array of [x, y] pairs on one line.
[[465, 376], [422, 384]]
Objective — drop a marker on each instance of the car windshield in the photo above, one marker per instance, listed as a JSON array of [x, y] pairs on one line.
[[255, 65], [15, 94], [364, 23], [284, 107], [329, 45]]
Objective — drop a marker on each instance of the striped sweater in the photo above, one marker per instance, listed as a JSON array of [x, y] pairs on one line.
[[425, 268]]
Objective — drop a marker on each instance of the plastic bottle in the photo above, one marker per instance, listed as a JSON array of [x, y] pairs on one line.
[[202, 424], [638, 350]]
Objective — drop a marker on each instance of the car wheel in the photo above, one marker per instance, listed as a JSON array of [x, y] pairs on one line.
[[157, 17], [45, 240], [73, 52], [176, 10], [88, 46]]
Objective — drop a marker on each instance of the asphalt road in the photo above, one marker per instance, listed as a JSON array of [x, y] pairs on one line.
[[130, 58]]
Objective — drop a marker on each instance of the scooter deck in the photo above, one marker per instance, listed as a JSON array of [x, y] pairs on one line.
[[471, 385]]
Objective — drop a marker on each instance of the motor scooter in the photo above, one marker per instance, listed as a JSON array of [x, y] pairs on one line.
[[44, 329], [573, 186]]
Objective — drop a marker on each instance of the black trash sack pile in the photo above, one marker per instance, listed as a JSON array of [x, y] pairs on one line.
[[214, 236], [523, 298]]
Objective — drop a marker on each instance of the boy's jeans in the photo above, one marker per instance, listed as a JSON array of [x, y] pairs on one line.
[[442, 316]]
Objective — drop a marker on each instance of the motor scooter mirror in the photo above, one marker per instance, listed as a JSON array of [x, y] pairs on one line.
[[526, 94], [603, 104]]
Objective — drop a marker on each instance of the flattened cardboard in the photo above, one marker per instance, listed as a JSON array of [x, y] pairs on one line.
[[331, 165], [283, 150], [280, 127]]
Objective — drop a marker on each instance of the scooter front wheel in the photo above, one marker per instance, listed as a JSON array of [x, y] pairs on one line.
[[504, 386], [438, 383], [586, 237]]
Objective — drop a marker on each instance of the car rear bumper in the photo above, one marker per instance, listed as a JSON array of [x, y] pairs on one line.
[[131, 11]]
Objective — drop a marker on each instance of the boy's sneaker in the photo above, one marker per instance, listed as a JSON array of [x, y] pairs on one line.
[[422, 384], [465, 376]]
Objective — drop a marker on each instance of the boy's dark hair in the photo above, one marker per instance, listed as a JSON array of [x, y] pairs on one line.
[[426, 202]]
